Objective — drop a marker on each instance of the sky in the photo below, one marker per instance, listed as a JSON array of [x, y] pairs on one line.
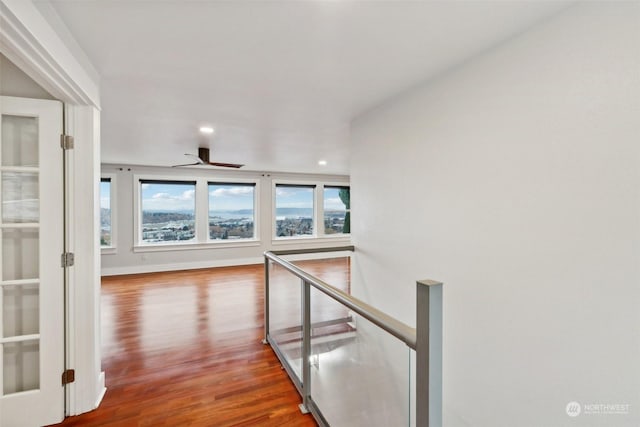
[[230, 197], [181, 197], [332, 200], [168, 197], [105, 196], [301, 197], [294, 197]]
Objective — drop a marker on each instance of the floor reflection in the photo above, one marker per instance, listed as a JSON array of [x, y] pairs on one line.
[[184, 348]]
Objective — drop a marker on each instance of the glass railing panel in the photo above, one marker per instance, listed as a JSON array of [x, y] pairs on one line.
[[412, 388], [360, 374], [285, 315], [335, 271]]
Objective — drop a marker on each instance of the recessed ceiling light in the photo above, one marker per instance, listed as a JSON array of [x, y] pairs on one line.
[[322, 162], [206, 129]]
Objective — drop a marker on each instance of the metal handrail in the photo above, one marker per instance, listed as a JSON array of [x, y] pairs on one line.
[[349, 248], [391, 325]]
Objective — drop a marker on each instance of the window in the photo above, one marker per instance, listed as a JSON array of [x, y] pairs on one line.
[[294, 207], [185, 212], [337, 210], [106, 236], [231, 211], [167, 211]]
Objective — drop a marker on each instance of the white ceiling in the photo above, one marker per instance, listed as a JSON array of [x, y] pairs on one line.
[[278, 80]]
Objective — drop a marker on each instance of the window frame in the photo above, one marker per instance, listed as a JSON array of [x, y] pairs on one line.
[[334, 186], [318, 211], [138, 181], [112, 178], [256, 210], [201, 240], [301, 184]]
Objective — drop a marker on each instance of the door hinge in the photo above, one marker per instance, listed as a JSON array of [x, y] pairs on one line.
[[67, 259], [66, 142], [68, 376]]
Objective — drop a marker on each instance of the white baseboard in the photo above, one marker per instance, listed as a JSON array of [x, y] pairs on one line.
[[102, 388], [138, 269]]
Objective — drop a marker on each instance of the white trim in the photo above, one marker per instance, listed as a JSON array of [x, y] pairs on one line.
[[328, 238], [140, 269], [318, 210], [321, 202], [201, 215], [274, 207], [29, 41], [256, 205], [137, 269], [71, 340], [137, 205], [83, 346], [202, 211], [212, 244], [101, 389]]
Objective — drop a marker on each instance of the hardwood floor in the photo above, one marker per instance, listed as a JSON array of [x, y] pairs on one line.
[[184, 349]]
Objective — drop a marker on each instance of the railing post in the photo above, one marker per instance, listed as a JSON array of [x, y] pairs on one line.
[[429, 354], [306, 346], [266, 300]]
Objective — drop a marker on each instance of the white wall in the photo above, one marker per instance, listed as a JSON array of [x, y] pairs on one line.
[[515, 180], [126, 259], [14, 82]]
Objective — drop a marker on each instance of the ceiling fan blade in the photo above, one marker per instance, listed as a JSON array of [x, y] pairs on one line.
[[226, 165], [198, 159], [203, 159], [188, 164]]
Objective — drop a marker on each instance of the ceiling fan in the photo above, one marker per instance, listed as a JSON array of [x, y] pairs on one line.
[[203, 159]]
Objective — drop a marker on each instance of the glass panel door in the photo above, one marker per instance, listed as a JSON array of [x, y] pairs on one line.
[[20, 291], [31, 279]]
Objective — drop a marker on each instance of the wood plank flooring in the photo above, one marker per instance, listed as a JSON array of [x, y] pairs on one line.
[[184, 349]]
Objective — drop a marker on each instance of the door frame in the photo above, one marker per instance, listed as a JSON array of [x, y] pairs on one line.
[[34, 39]]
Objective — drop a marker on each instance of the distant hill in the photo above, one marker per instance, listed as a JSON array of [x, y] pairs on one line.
[[287, 212], [151, 217], [295, 212], [235, 212]]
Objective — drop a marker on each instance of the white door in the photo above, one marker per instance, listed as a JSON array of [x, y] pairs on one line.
[[31, 276]]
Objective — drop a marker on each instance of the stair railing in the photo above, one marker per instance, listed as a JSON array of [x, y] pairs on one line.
[[425, 339]]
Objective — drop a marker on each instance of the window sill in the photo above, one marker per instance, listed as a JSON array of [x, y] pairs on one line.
[[108, 250], [218, 244], [342, 238]]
